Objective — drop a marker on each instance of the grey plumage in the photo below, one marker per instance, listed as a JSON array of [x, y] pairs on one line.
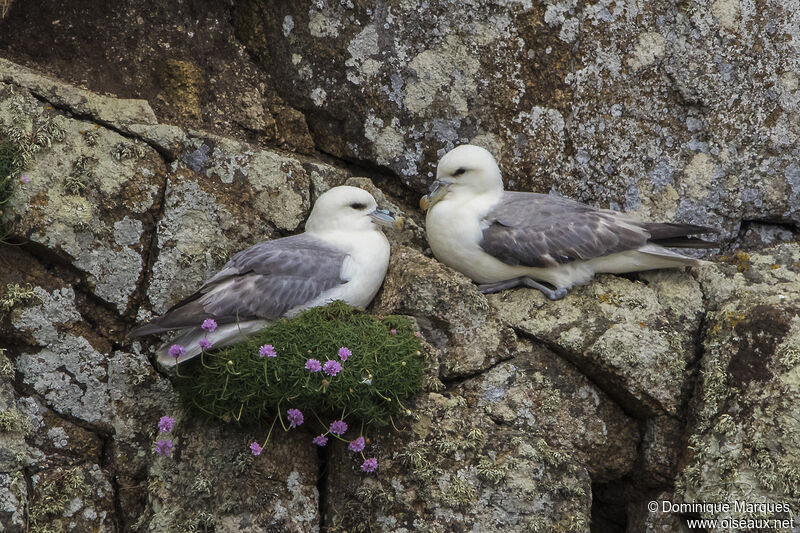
[[262, 282], [539, 230], [504, 239]]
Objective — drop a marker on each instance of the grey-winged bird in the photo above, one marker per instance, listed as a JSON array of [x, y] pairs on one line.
[[503, 239], [342, 255]]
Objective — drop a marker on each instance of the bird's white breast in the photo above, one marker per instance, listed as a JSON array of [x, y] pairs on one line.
[[455, 230], [364, 268]]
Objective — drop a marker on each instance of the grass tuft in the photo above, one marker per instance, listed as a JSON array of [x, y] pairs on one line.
[[9, 163], [235, 384]]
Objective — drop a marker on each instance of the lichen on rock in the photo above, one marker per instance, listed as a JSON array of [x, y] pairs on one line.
[[535, 415]]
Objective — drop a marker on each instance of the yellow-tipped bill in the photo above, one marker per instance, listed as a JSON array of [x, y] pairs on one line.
[[383, 217], [435, 193]]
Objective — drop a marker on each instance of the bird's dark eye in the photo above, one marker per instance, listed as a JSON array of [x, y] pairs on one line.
[[357, 205], [459, 171]]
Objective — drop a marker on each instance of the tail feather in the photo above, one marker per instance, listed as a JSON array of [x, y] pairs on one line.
[[189, 339], [667, 258], [668, 230], [676, 235], [178, 317], [684, 242]]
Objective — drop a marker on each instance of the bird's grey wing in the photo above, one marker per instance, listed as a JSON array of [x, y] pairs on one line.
[[540, 230], [263, 281]]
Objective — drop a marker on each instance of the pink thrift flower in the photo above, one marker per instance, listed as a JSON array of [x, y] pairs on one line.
[[209, 324], [165, 424], [164, 447], [357, 445], [255, 448], [339, 427], [205, 344], [320, 440], [176, 350], [344, 353], [393, 331], [295, 417], [332, 367], [312, 365], [267, 350], [369, 465]]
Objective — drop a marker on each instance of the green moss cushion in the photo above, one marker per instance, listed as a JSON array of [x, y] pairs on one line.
[[239, 384]]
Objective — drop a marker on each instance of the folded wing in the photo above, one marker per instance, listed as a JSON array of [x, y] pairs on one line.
[[540, 230], [262, 282]]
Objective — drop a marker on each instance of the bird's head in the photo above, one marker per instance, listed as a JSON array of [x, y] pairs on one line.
[[466, 168], [348, 208]]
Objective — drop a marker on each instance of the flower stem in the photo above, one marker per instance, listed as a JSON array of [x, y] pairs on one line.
[[279, 416], [269, 433]]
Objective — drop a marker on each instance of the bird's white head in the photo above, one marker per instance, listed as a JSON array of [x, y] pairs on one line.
[[349, 209], [465, 169]]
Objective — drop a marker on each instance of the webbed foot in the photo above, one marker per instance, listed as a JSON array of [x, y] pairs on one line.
[[524, 281], [553, 294], [491, 288]]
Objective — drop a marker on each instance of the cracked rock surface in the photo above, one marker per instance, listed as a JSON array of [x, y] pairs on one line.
[[201, 129]]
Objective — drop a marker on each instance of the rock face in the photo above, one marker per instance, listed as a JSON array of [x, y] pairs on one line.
[[744, 408], [668, 111], [567, 416]]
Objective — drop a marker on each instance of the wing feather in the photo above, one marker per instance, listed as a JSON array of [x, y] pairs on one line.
[[261, 282], [540, 230]]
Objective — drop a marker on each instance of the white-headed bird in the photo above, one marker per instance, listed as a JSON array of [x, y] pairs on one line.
[[503, 239], [342, 255]]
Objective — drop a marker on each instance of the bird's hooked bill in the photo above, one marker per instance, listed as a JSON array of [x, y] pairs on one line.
[[435, 193], [383, 217]]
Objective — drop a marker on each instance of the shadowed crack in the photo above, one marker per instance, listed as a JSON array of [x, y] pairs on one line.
[[454, 382], [150, 250], [47, 258], [106, 462], [323, 454], [85, 117]]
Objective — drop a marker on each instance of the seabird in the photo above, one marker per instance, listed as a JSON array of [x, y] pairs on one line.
[[342, 255], [504, 239]]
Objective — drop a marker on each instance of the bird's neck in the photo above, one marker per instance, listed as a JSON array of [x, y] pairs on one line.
[[472, 198], [345, 239]]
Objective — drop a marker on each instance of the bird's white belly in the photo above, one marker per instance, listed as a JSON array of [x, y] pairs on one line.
[[365, 267], [454, 234]]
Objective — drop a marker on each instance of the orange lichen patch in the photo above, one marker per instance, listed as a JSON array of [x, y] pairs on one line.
[[734, 318], [740, 259], [773, 267], [610, 298], [730, 320]]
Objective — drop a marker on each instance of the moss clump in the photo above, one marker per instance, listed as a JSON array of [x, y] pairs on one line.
[[52, 498], [16, 294], [9, 163], [6, 365], [12, 421], [385, 368]]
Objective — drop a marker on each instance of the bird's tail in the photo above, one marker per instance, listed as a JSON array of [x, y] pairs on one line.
[[655, 256], [676, 235], [189, 340]]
